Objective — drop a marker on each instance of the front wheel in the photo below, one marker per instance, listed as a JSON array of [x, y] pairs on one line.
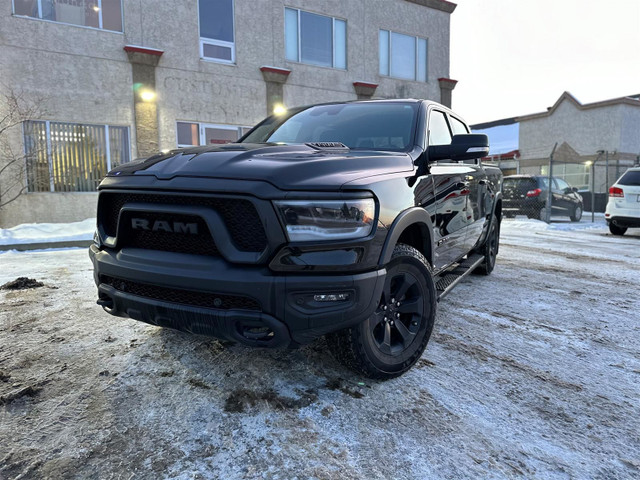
[[616, 230], [392, 339], [577, 213]]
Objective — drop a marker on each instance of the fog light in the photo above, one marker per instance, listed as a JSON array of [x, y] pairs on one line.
[[331, 297]]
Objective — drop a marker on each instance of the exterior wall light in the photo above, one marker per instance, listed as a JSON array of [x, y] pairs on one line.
[[279, 109], [147, 95]]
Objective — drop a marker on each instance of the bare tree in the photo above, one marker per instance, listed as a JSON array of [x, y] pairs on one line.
[[15, 108]]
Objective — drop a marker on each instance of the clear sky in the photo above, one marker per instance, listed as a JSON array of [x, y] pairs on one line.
[[515, 57]]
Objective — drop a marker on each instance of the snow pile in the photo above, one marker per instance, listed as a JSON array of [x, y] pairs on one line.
[[48, 232], [561, 224]]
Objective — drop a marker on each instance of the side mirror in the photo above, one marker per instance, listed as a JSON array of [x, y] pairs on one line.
[[463, 147]]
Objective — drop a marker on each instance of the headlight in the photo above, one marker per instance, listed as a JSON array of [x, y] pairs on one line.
[[308, 220]]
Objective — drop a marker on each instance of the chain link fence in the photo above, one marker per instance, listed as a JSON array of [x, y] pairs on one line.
[[579, 182]]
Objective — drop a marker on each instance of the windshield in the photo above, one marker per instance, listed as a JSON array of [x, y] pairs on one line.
[[371, 126]]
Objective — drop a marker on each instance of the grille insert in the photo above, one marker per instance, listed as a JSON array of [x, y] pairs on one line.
[[185, 297], [240, 216], [200, 244]]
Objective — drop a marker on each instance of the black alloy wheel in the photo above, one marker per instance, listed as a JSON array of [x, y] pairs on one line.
[[392, 339], [397, 320], [490, 248]]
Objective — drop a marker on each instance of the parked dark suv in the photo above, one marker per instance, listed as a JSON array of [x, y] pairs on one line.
[[528, 194]]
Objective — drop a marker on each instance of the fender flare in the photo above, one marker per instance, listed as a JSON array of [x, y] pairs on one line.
[[498, 198], [413, 215]]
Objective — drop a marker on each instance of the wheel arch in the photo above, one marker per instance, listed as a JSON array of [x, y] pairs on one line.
[[412, 227]]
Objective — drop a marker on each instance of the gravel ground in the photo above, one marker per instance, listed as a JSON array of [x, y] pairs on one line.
[[533, 372]]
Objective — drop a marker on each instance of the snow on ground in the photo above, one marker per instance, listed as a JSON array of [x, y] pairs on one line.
[[48, 232], [532, 372]]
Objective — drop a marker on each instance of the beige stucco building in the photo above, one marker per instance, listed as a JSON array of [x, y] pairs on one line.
[[114, 80], [594, 142]]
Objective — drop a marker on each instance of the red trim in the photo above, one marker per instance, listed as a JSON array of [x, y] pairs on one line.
[[512, 155], [365, 84], [148, 51], [282, 71], [450, 80]]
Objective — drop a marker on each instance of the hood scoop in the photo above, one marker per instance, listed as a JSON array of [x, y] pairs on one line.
[[328, 146]]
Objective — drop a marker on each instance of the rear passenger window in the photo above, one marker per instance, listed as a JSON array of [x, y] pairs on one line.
[[632, 177], [457, 126], [439, 133]]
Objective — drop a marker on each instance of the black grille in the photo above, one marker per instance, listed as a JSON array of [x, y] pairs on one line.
[[185, 297], [240, 216], [200, 243]]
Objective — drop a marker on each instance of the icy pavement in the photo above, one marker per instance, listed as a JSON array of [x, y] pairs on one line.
[[532, 372]]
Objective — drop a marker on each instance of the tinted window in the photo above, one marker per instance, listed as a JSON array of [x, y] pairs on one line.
[[457, 126], [631, 177], [519, 185], [562, 184], [382, 126], [438, 129], [216, 19]]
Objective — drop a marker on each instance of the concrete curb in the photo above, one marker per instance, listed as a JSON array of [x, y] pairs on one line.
[[22, 247]]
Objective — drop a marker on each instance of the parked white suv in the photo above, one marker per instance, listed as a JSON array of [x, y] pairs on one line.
[[623, 208]]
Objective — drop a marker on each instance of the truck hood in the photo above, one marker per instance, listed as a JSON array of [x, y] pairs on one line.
[[288, 167]]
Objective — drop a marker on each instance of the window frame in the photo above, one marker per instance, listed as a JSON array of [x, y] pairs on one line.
[[416, 39], [333, 38], [49, 151], [201, 128], [218, 43], [99, 28]]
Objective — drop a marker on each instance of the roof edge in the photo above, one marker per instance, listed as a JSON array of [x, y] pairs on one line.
[[629, 100], [494, 123], [442, 5]]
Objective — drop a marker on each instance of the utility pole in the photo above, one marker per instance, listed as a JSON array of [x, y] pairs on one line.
[[593, 193], [606, 176], [550, 186]]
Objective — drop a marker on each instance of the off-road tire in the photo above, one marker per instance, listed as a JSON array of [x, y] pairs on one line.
[[576, 215], [616, 230], [489, 248], [402, 343]]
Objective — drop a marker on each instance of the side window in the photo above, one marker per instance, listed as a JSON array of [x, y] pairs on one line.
[[562, 185], [439, 133], [457, 126], [216, 30]]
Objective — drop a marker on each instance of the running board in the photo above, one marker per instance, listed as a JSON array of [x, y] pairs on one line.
[[450, 279]]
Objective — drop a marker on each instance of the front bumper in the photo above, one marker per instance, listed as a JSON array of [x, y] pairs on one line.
[[248, 304]]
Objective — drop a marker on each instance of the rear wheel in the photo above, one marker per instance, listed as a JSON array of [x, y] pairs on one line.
[[616, 230], [490, 248], [392, 339], [577, 214]]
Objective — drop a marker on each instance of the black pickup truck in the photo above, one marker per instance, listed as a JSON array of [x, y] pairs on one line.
[[349, 220]]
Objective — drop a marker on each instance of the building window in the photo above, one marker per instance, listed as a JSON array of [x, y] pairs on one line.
[[315, 39], [217, 30], [69, 157], [103, 14], [403, 56], [192, 133], [576, 174]]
